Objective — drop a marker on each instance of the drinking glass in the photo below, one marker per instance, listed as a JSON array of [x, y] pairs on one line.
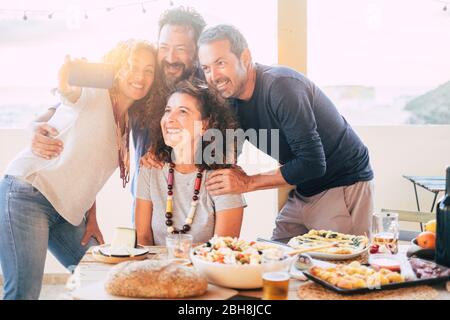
[[178, 248], [385, 230], [275, 265]]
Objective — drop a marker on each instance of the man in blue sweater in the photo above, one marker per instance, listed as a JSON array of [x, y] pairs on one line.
[[318, 150]]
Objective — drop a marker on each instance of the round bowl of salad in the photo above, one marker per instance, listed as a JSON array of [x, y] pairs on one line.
[[232, 262]]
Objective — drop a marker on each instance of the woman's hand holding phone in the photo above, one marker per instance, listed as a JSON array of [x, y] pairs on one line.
[[71, 93]]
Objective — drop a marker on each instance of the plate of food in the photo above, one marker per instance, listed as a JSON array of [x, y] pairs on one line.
[[357, 278], [123, 248], [234, 263], [121, 251], [330, 245]]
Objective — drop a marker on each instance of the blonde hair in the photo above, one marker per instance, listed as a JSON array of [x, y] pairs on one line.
[[119, 55]]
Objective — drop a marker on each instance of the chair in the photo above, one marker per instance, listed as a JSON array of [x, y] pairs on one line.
[[411, 216]]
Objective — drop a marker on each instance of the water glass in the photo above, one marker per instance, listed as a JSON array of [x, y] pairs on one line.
[[178, 247], [385, 230]]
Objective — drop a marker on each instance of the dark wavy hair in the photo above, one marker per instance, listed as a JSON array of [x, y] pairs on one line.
[[183, 16], [141, 112], [156, 96], [220, 117]]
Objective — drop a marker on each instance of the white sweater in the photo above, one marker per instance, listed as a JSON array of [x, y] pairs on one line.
[[71, 181]]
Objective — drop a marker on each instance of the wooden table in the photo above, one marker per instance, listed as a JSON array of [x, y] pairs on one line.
[[90, 271]]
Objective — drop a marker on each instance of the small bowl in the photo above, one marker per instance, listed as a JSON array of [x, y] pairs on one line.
[[303, 262], [385, 261], [415, 250]]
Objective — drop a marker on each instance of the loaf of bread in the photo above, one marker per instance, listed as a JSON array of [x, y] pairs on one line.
[[154, 279]]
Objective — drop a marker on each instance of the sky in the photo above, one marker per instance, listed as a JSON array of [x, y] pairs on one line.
[[378, 42]]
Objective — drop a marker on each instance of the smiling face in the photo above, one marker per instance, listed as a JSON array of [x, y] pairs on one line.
[[136, 78], [176, 52], [223, 70], [178, 124]]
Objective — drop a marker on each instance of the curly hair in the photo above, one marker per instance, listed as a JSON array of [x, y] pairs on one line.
[[220, 117], [119, 57], [143, 110], [184, 17]]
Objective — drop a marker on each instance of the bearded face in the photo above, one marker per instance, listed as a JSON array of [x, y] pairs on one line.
[[176, 52]]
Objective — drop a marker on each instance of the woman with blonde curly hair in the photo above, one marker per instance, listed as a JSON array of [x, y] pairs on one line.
[[190, 139], [50, 203]]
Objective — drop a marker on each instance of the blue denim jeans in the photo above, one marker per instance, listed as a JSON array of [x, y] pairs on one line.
[[29, 225]]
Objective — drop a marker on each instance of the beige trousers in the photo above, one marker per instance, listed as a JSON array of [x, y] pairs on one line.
[[346, 209]]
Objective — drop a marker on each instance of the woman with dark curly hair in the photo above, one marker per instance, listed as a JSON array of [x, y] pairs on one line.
[[189, 140]]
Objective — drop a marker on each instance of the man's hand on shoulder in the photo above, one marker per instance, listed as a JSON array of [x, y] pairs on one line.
[[43, 143]]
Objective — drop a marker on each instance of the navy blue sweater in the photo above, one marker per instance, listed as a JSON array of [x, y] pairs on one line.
[[316, 146]]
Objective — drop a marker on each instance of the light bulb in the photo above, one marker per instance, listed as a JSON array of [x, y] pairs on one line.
[[74, 16]]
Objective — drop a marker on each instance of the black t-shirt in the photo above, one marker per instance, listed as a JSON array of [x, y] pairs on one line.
[[317, 147]]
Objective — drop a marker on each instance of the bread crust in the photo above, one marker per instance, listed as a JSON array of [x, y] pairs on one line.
[[154, 279]]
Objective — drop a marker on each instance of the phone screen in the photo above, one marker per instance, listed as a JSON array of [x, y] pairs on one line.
[[93, 75]]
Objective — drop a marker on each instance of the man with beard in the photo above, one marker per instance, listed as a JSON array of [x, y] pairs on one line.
[[179, 30], [318, 150]]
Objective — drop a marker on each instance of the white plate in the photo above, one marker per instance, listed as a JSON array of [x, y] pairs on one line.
[[106, 250], [297, 274], [335, 256]]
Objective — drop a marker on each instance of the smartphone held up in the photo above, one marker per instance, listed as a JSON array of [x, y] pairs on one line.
[[93, 75]]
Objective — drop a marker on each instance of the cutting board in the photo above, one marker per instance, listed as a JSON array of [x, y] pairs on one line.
[[96, 291]]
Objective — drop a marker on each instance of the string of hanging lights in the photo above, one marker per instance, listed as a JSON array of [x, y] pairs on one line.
[[446, 4], [50, 14]]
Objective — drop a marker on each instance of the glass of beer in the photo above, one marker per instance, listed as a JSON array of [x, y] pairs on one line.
[[275, 266], [385, 230]]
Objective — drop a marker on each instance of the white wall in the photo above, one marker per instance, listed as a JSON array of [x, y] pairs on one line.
[[394, 150], [405, 150]]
